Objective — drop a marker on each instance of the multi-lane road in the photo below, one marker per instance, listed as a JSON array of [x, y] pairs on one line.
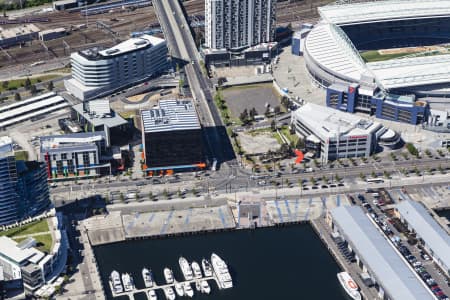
[[226, 182]]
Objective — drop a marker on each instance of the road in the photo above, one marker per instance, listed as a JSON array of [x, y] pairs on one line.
[[182, 46], [221, 183]]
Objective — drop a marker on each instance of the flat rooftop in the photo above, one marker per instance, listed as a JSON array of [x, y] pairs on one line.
[[10, 251], [427, 228], [130, 45], [111, 121], [329, 123], [54, 142], [377, 11], [170, 115], [389, 269]]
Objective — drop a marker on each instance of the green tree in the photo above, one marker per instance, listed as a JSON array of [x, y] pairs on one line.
[[33, 89], [17, 97], [50, 86], [122, 197], [5, 84], [244, 116], [253, 113], [150, 196], [412, 149], [277, 109], [27, 84], [267, 112], [273, 125]]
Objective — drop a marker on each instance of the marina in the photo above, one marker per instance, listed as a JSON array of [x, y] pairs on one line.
[[192, 274], [273, 249]]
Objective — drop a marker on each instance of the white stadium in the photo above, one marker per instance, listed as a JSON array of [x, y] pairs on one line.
[[386, 58], [332, 48]]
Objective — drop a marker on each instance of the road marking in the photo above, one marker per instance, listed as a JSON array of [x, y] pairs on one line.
[[166, 223], [222, 217], [280, 215], [309, 208], [188, 216], [286, 203]]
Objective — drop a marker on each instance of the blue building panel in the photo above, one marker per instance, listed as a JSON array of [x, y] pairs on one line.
[[385, 106]]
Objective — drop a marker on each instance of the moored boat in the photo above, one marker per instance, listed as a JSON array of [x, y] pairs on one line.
[[116, 284], [207, 269], [168, 275], [128, 284], [185, 268], [179, 289], [205, 287], [221, 270], [349, 285], [169, 293], [152, 295], [196, 269], [148, 278], [188, 291]]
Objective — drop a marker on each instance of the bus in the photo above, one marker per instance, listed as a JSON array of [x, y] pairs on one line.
[[374, 180]]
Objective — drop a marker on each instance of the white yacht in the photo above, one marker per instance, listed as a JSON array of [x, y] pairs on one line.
[[168, 275], [207, 269], [179, 289], [148, 278], [221, 270], [188, 289], [196, 268], [205, 287], [185, 268], [128, 284], [116, 284], [349, 285], [169, 293], [198, 287], [152, 295]]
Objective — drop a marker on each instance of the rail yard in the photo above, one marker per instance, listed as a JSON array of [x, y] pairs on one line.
[[120, 23]]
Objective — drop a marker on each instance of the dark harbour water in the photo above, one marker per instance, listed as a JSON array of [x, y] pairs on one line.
[[444, 213], [272, 263]]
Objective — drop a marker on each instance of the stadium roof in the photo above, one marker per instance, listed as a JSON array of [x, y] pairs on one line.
[[329, 123], [416, 71], [171, 115], [390, 270], [329, 47], [427, 229], [369, 12]]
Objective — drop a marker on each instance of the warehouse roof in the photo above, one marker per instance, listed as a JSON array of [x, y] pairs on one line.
[[427, 228], [391, 272]]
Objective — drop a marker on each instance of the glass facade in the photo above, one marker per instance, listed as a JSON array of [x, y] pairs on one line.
[[9, 197], [23, 188]]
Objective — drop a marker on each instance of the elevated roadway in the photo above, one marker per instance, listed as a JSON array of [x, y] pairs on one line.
[[182, 46]]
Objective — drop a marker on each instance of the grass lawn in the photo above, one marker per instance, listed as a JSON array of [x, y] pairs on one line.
[[291, 137], [373, 55], [44, 242], [17, 83], [21, 155], [35, 227]]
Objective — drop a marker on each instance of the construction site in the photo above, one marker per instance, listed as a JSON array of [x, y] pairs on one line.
[[73, 30]]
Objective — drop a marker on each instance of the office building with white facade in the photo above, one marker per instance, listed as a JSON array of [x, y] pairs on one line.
[[431, 235], [333, 134], [237, 24], [97, 72]]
